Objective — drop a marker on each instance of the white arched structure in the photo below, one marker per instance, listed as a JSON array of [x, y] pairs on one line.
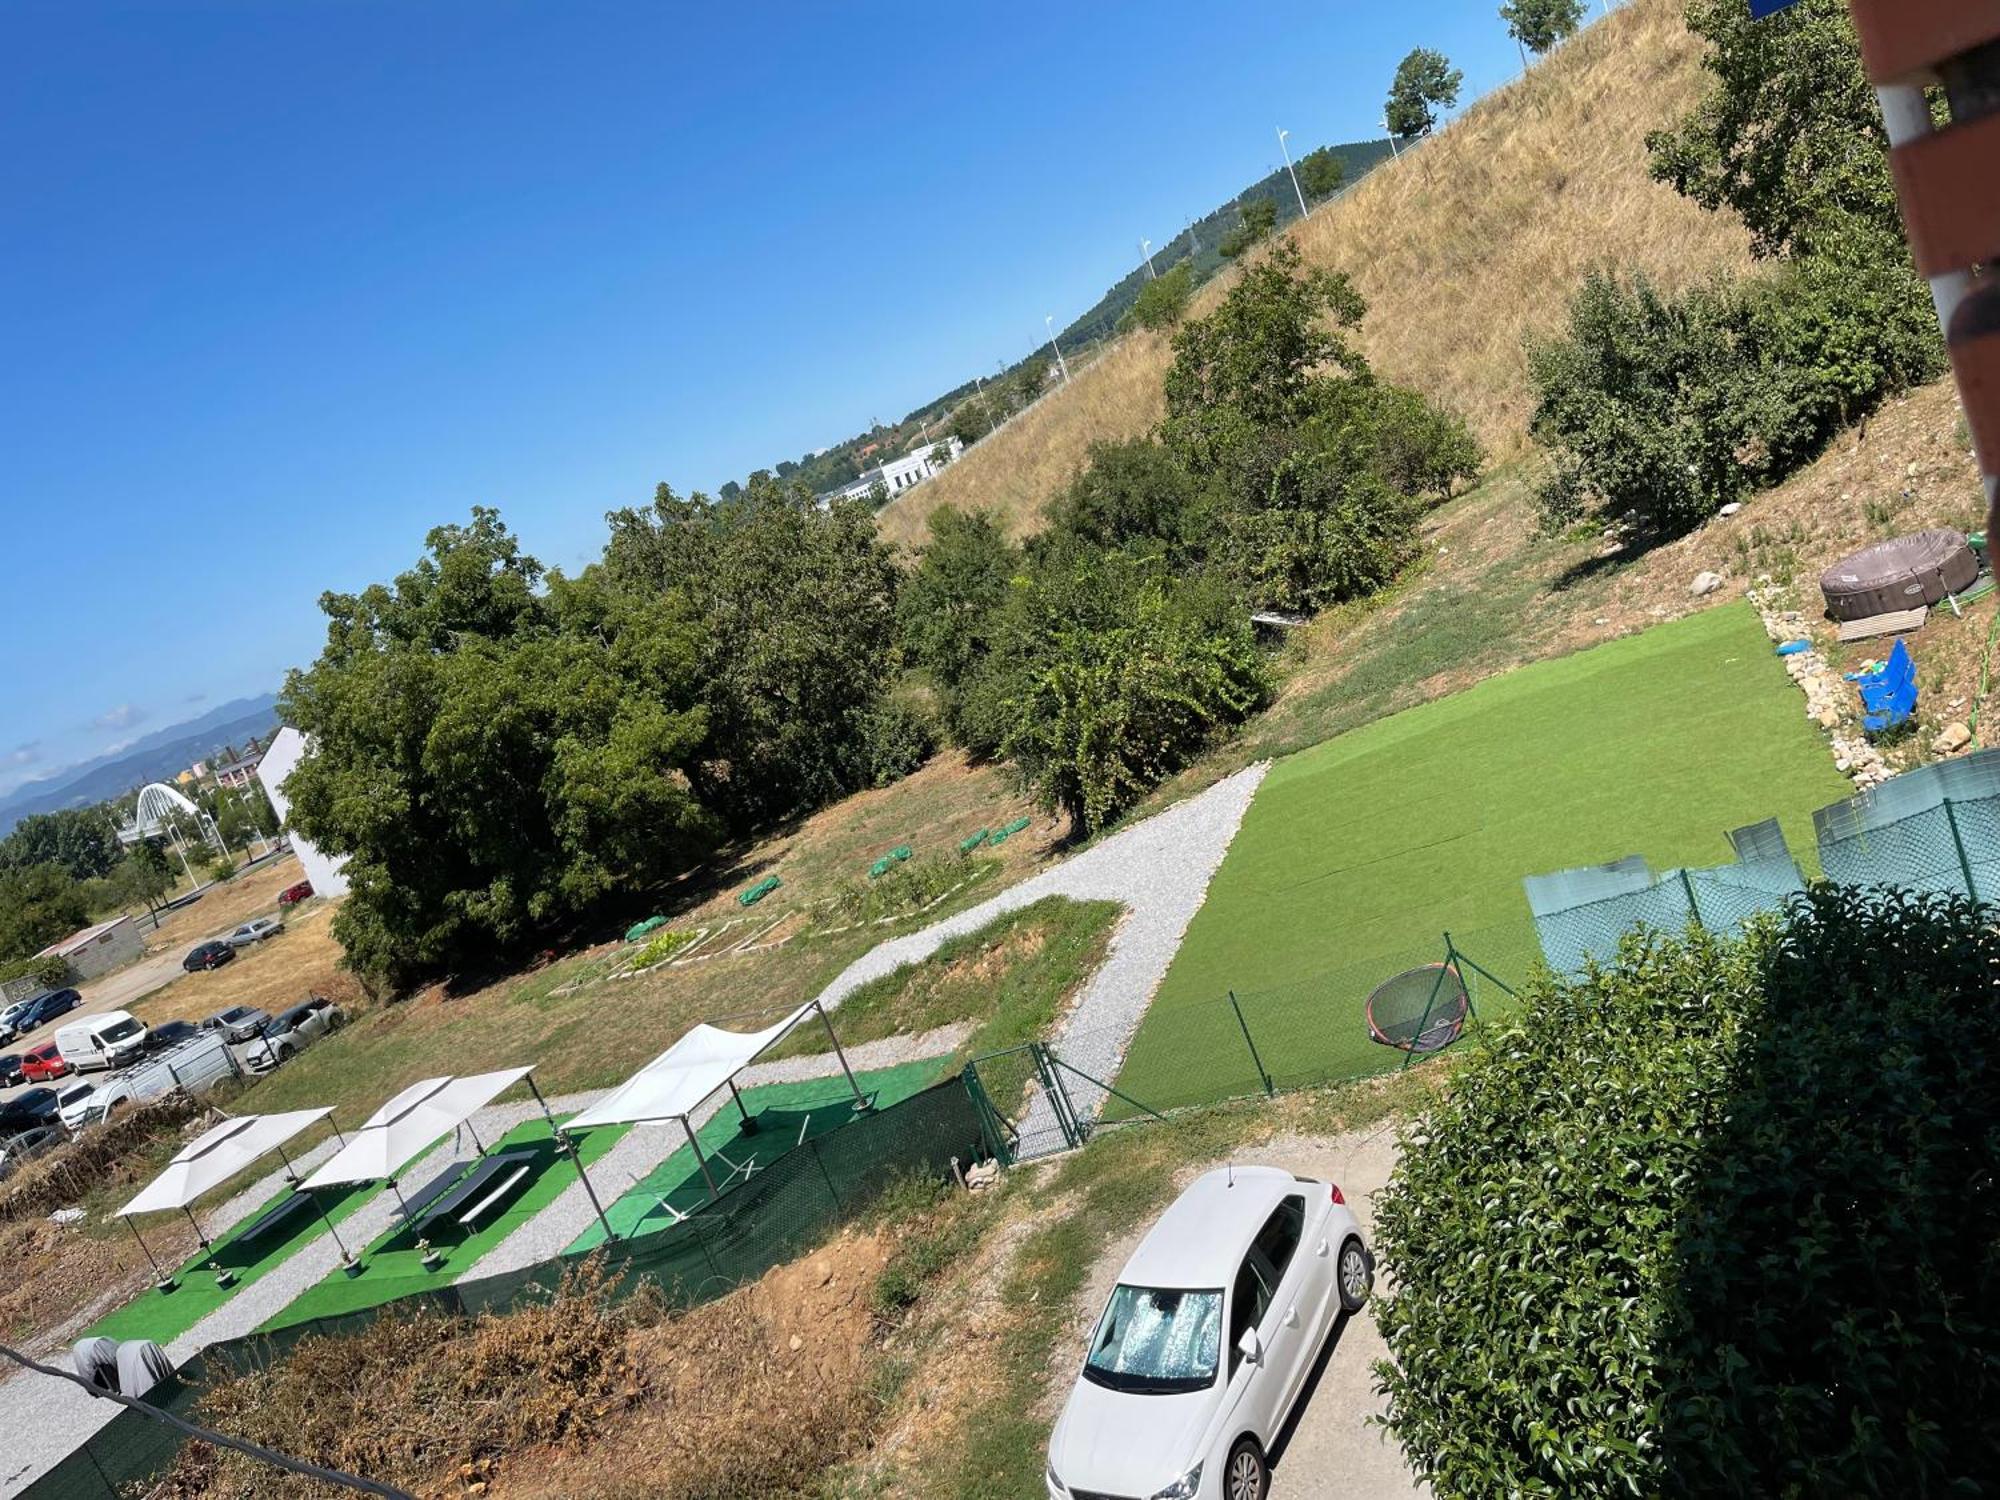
[[161, 810]]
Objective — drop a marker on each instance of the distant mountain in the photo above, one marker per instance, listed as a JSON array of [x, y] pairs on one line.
[[153, 757]]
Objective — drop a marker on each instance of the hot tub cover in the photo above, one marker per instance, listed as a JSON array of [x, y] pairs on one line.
[[1901, 573]]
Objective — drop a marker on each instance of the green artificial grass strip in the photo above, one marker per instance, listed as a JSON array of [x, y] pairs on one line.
[[1358, 854], [392, 1267], [165, 1316], [781, 1111]]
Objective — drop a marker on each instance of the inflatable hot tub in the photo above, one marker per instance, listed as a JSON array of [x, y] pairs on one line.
[[1901, 573]]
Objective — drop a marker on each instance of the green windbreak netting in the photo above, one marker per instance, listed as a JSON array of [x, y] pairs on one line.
[[783, 1116], [1936, 828], [774, 1215]]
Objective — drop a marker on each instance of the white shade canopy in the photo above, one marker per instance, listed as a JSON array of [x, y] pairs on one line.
[[217, 1155], [405, 1127], [674, 1083]]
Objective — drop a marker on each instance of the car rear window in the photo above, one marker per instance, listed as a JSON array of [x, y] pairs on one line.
[[125, 1028]]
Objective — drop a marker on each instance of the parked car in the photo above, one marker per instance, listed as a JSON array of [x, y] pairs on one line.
[[290, 1031], [170, 1034], [10, 1069], [292, 895], [81, 1104], [25, 1146], [212, 954], [1208, 1338], [255, 931], [45, 1008], [239, 1023], [25, 1111], [43, 1064], [108, 1041], [11, 1016]]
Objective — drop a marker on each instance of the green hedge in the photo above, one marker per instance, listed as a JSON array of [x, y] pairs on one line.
[[1720, 1219]]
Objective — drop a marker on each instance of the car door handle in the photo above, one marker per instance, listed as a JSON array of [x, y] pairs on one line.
[[1292, 1318], [1321, 1250]]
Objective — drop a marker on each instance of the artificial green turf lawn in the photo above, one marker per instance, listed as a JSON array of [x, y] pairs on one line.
[[165, 1316], [782, 1111], [1358, 854], [392, 1267]]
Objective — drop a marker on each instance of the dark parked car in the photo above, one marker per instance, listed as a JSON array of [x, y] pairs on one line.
[[212, 954], [24, 1111], [170, 1034], [292, 895], [26, 1146], [10, 1070], [45, 1008]]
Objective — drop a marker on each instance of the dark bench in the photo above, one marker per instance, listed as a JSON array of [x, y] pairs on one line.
[[476, 1191], [277, 1214], [412, 1208]]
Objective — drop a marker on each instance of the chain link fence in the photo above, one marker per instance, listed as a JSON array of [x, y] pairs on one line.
[[778, 1213]]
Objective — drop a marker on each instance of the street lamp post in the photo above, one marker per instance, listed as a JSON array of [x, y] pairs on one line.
[[1146, 249], [1049, 322], [1393, 150], [1294, 175]]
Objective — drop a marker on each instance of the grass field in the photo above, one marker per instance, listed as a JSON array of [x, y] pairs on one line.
[[1358, 854]]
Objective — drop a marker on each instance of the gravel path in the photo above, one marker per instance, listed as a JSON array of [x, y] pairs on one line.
[[1159, 870]]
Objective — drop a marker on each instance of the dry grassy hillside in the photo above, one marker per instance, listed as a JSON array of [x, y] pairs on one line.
[[1462, 248]]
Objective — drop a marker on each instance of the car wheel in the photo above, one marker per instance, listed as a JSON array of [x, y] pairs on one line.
[[1246, 1476], [1356, 1274]]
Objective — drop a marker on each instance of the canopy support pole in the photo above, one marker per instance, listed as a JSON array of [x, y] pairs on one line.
[[336, 1130], [565, 1144], [197, 1227], [749, 1125], [401, 1202], [700, 1160], [345, 1258], [160, 1278], [475, 1135], [860, 1101], [291, 1172]]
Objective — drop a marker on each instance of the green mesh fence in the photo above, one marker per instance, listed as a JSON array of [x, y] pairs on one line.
[[779, 1213]]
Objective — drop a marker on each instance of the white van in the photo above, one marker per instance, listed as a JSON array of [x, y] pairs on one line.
[[108, 1041]]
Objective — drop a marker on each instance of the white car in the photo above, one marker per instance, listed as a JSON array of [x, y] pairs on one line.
[[81, 1104], [255, 931], [1208, 1338]]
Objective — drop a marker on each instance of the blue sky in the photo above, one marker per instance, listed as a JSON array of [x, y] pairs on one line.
[[283, 285]]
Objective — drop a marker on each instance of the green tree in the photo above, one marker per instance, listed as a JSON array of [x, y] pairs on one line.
[[38, 905], [1258, 216], [1540, 24], [1163, 300], [1136, 494], [1031, 378], [796, 606], [1788, 136], [1425, 83], [940, 455], [1321, 174], [947, 609], [1114, 677], [491, 755], [971, 420], [82, 840]]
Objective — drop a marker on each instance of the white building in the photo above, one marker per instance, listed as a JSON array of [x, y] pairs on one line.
[[281, 756], [898, 474]]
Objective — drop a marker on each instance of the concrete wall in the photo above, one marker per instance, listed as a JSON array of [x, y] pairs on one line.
[[117, 945]]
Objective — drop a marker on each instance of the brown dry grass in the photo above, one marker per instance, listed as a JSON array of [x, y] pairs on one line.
[[1463, 248], [227, 905], [281, 971]]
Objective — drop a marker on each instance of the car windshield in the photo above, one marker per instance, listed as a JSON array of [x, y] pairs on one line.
[[81, 1091], [237, 1013], [124, 1029], [1157, 1342]]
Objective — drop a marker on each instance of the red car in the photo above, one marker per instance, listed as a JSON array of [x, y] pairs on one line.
[[292, 895], [43, 1065]]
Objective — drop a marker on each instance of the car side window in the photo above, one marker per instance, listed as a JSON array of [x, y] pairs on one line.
[[1279, 1238], [1249, 1300]]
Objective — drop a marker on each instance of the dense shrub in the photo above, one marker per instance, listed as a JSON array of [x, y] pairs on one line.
[[1421, 449], [1719, 1219], [1162, 300], [1671, 407], [900, 737], [1137, 494]]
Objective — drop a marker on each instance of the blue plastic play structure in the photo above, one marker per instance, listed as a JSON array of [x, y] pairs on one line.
[[1890, 695]]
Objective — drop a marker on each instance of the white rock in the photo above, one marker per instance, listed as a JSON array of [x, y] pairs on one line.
[[1731, 508], [1954, 736], [1841, 764], [1705, 583]]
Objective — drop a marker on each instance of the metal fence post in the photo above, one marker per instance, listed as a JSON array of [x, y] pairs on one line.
[[1694, 907], [1058, 1102], [1249, 1042], [1958, 843]]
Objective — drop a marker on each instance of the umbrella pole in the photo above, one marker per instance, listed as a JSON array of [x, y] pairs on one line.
[[547, 1114], [475, 1136], [197, 1227], [859, 1101], [160, 1278], [564, 1143], [336, 1130], [291, 1172], [700, 1160], [345, 1258], [749, 1125]]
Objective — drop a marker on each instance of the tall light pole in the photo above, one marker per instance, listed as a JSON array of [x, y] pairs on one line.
[[1294, 175], [1049, 322], [1393, 150], [1194, 235], [1146, 249]]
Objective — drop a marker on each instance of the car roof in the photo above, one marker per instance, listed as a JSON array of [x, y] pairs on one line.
[[1200, 1241]]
